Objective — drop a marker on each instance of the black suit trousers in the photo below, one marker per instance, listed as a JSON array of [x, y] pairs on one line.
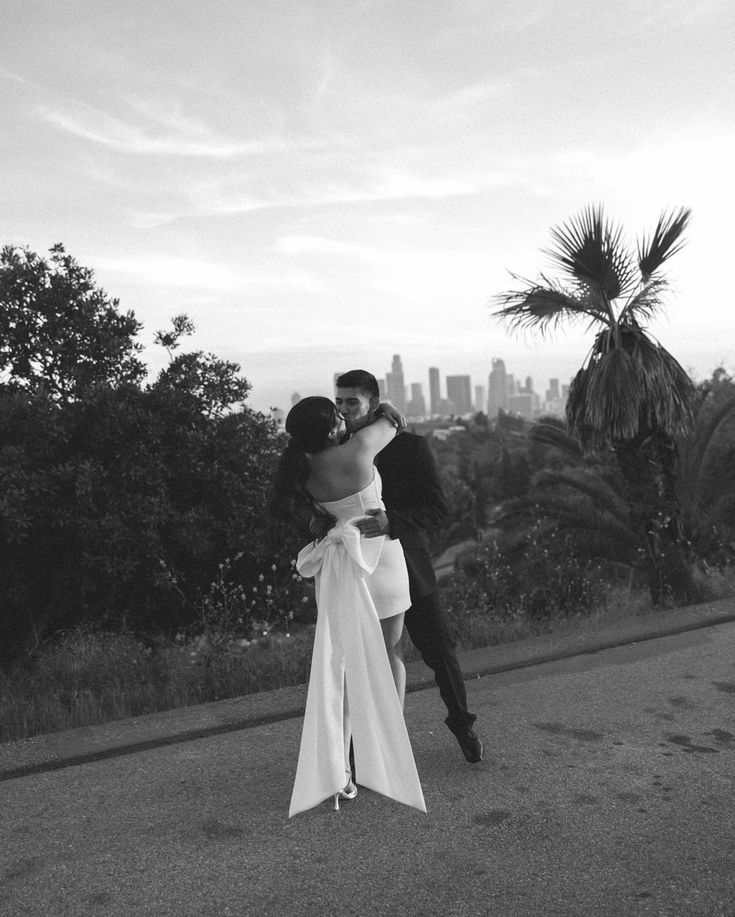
[[427, 628]]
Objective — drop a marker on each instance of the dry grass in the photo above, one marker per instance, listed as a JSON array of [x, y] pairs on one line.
[[90, 677]]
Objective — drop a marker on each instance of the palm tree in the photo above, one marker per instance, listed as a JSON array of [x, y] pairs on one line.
[[706, 482], [630, 395], [577, 496]]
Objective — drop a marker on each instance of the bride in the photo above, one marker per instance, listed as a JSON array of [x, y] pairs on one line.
[[357, 679]]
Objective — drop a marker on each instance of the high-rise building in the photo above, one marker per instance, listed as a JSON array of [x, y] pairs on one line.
[[394, 384], [459, 392], [295, 398], [525, 401], [434, 390], [417, 405], [497, 389], [522, 404], [552, 393], [480, 404], [554, 404]]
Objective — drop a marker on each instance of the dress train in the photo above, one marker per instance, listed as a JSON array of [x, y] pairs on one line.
[[350, 661]]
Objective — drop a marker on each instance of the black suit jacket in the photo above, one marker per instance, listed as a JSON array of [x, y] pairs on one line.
[[414, 500]]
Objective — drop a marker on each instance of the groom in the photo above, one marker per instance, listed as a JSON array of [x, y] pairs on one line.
[[414, 500]]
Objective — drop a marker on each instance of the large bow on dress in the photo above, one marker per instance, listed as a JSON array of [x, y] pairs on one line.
[[350, 657]]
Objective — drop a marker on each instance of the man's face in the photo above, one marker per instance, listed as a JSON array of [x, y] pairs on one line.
[[356, 407]]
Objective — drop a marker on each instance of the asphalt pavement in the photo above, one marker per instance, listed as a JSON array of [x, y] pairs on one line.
[[607, 789]]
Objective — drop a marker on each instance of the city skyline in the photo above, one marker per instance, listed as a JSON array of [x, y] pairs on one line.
[[457, 395]]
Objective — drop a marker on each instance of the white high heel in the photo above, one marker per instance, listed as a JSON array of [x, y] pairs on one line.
[[349, 792]]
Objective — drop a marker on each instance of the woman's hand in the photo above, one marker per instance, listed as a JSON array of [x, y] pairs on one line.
[[392, 414]]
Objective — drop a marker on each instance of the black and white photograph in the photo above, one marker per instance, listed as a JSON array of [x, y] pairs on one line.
[[367, 458]]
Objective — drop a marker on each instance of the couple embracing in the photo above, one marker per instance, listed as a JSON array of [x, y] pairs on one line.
[[372, 490]]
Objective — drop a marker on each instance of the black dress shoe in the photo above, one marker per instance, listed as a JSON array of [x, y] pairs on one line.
[[471, 745]]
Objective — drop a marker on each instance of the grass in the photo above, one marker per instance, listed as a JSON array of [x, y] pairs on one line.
[[89, 677]]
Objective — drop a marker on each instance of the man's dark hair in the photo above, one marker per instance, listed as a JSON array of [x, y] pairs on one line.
[[362, 379]]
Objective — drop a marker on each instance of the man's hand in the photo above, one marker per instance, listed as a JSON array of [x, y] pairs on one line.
[[374, 524]]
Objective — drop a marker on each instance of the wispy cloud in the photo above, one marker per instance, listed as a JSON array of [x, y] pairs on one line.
[[176, 137], [389, 187]]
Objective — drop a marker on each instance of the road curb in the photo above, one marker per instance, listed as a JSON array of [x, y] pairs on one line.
[[123, 737]]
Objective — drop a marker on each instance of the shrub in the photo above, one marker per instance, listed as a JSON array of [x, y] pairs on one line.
[[541, 579]]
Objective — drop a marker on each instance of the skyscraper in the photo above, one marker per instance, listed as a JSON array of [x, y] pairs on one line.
[[479, 404], [394, 384], [525, 401], [497, 389], [459, 392], [434, 391], [554, 403], [417, 405]]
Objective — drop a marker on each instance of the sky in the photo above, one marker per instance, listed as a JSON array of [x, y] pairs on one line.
[[320, 185]]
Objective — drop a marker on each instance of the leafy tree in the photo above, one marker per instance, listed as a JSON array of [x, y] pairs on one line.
[[631, 395], [60, 334], [119, 501], [180, 325], [119, 507], [214, 385]]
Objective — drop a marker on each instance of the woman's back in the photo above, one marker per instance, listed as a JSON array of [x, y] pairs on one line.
[[342, 470], [356, 504]]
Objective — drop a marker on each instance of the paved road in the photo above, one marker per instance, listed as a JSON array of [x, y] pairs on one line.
[[607, 790]]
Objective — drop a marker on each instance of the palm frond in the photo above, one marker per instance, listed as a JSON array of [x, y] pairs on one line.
[[603, 406], [668, 392], [697, 446], [591, 249], [645, 302], [549, 435], [542, 306], [588, 485], [596, 535], [665, 241]]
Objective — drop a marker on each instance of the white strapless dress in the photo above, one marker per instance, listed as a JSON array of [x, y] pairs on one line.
[[358, 581]]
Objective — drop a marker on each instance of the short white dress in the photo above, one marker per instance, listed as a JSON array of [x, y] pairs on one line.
[[352, 695], [388, 583]]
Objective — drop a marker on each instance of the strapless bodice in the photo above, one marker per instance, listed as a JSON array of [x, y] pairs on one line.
[[356, 504]]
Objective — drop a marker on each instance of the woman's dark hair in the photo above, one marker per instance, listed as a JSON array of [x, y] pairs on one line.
[[309, 424]]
